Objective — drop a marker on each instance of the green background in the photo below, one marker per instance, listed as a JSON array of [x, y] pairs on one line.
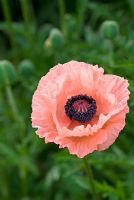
[[35, 35]]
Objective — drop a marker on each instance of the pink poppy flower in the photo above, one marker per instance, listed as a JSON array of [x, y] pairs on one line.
[[79, 107]]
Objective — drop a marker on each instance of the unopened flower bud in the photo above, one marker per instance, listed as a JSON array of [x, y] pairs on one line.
[[109, 29], [56, 38], [7, 73], [25, 68]]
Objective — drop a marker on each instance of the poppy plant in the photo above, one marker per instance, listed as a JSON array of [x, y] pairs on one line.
[[79, 107]]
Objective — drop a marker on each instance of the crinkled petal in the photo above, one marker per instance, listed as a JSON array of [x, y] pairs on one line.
[[113, 128], [42, 117], [84, 145]]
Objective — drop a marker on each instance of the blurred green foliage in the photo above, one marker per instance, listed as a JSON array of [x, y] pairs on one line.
[[34, 36]]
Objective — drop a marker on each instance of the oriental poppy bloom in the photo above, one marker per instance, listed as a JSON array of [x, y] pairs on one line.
[[79, 107]]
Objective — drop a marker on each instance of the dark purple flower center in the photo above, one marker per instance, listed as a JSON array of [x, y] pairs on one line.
[[80, 108]]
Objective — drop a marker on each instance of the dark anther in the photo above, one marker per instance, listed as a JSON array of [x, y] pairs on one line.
[[80, 108]]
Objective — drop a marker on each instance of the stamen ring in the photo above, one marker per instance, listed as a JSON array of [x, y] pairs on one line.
[[81, 108]]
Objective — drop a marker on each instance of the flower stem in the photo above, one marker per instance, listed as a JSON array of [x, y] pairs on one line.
[[110, 53], [62, 15], [83, 5], [21, 128], [15, 111], [91, 180], [8, 19], [29, 24]]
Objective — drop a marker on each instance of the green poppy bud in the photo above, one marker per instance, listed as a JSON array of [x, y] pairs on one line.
[[109, 29], [25, 69], [7, 73], [56, 38]]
